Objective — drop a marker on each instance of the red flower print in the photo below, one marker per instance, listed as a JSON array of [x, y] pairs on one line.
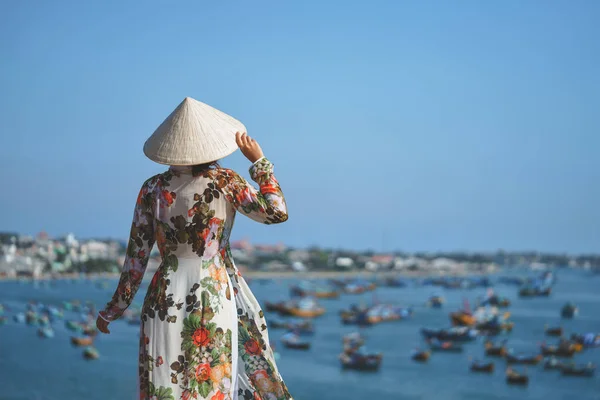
[[214, 221], [141, 254], [135, 275], [257, 396], [169, 196], [268, 188], [191, 212], [218, 396], [186, 395], [205, 234], [203, 372], [252, 347], [244, 197], [201, 337], [159, 361]]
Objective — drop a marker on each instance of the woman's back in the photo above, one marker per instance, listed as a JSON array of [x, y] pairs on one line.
[[193, 211]]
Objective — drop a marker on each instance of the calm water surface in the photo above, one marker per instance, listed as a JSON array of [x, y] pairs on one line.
[[51, 369]]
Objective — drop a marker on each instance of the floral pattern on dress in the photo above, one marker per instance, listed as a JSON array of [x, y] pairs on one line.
[[217, 345]]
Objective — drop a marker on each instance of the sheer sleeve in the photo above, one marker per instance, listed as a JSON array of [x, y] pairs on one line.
[[141, 240], [267, 204]]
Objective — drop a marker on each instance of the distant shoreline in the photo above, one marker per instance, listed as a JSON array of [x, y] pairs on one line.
[[277, 275]]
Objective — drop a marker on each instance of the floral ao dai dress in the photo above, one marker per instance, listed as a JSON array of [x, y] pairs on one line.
[[203, 334]]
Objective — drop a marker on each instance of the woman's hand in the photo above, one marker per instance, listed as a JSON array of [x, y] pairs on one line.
[[102, 325], [249, 147]]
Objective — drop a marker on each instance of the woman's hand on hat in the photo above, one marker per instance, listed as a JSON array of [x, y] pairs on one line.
[[249, 147]]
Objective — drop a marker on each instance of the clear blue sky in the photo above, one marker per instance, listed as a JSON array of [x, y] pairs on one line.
[[412, 125]]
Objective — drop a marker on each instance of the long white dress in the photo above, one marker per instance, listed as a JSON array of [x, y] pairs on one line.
[[203, 334]]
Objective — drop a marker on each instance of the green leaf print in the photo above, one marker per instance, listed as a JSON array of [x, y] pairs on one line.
[[164, 393], [205, 389]]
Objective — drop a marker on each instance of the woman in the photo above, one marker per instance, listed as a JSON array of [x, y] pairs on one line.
[[203, 334]]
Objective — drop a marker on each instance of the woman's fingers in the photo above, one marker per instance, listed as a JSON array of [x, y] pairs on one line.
[[102, 325]]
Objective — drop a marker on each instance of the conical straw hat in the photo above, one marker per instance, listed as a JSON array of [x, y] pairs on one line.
[[195, 133]]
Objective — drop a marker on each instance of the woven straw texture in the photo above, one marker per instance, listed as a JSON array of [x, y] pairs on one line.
[[194, 133]]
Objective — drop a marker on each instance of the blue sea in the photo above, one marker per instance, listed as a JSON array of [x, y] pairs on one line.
[[32, 368]]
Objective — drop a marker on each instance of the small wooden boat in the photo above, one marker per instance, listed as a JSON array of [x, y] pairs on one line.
[[535, 291], [353, 340], [46, 332], [569, 310], [522, 359], [306, 313], [447, 347], [562, 350], [494, 351], [553, 331], [278, 307], [361, 362], [456, 334], [462, 318], [327, 294], [293, 341], [515, 378], [19, 318], [553, 363], [436, 302], [73, 326], [90, 353], [587, 370], [82, 341], [478, 366], [421, 356]]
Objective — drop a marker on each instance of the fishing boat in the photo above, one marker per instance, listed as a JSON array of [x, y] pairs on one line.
[[82, 341], [553, 363], [478, 366], [395, 282], [561, 350], [462, 318], [73, 326], [523, 359], [493, 350], [278, 307], [303, 328], [515, 378], [360, 361], [588, 340], [553, 331], [436, 301], [324, 293], [569, 310], [446, 347], [292, 340], [587, 370], [90, 353], [387, 312], [535, 291], [421, 356], [19, 318], [455, 334], [492, 299], [306, 307], [353, 340], [46, 332]]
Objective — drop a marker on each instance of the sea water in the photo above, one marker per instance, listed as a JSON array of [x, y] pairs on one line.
[[34, 368]]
